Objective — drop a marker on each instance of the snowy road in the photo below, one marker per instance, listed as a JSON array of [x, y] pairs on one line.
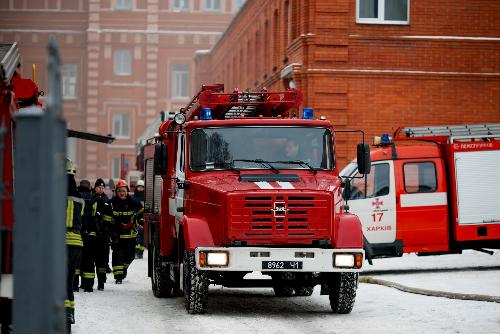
[[132, 308]]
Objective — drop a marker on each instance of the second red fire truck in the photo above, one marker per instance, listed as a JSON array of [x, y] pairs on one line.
[[436, 198], [240, 182]]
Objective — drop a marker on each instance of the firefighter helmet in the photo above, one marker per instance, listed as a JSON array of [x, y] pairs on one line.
[[70, 167], [140, 183], [121, 183]]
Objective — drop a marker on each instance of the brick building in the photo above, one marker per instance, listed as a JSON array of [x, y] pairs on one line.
[[124, 61], [371, 65]]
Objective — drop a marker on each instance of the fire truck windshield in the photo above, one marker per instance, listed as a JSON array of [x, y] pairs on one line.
[[256, 147]]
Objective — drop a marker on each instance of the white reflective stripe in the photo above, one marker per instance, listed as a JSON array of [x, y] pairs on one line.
[[423, 199], [286, 185], [172, 206], [7, 287], [264, 185]]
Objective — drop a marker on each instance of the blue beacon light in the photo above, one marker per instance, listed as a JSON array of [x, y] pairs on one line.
[[308, 113], [206, 114], [385, 139]]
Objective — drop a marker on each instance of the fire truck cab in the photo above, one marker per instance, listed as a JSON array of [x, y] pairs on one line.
[[236, 183], [436, 197]]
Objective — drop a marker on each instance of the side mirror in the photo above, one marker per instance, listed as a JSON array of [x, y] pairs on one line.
[[364, 162], [160, 165], [346, 193]]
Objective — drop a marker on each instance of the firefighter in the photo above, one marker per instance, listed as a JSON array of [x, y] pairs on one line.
[[74, 212], [139, 197], [102, 250], [122, 215], [89, 236]]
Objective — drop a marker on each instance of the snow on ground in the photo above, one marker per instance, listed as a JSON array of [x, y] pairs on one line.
[[132, 308]]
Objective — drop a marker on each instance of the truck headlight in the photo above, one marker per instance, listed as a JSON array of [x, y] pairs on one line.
[[216, 259], [344, 260]]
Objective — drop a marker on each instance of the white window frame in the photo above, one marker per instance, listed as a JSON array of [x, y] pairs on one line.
[[69, 77], [122, 62], [177, 81], [124, 131], [381, 14], [209, 5], [181, 5], [124, 4]]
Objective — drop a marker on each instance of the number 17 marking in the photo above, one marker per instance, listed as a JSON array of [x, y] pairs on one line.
[[377, 217]]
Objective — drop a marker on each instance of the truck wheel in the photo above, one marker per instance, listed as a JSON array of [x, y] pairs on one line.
[[161, 284], [279, 280], [304, 291], [342, 290], [195, 286]]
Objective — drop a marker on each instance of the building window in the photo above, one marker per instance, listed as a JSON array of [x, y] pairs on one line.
[[420, 177], [123, 4], [122, 62], [116, 168], [121, 125], [382, 11], [68, 78], [212, 5], [180, 5], [239, 4], [180, 81]]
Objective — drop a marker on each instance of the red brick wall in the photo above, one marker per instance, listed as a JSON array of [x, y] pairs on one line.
[[441, 68]]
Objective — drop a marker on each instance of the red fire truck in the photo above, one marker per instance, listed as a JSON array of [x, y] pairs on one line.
[[437, 197], [15, 93], [237, 183]]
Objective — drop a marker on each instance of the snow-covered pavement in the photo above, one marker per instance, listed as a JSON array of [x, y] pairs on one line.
[[132, 308]]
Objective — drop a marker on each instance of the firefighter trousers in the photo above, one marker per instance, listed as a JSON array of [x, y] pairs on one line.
[[87, 263], [123, 255], [102, 258], [73, 258]]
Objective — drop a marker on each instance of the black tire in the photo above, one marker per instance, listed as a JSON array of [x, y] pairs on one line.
[[279, 284], [342, 291], [195, 286], [161, 283], [304, 291]]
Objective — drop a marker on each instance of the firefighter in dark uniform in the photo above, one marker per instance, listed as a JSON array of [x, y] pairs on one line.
[[123, 214], [139, 197], [74, 212], [102, 248], [89, 236]]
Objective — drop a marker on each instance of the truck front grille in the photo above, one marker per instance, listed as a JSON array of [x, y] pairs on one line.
[[280, 216]]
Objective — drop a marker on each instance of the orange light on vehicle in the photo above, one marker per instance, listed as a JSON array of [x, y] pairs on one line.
[[203, 259], [358, 260]]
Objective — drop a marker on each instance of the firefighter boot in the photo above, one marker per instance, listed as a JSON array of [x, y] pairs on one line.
[[119, 281], [70, 316], [100, 285]]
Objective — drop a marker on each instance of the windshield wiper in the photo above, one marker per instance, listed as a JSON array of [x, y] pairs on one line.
[[298, 162], [264, 163]]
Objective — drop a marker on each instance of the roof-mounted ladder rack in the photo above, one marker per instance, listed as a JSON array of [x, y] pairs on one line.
[[467, 130]]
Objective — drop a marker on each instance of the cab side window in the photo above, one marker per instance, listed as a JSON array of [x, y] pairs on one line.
[[371, 185], [420, 177]]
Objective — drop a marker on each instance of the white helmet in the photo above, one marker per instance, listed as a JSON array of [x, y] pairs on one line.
[[70, 167], [140, 183]]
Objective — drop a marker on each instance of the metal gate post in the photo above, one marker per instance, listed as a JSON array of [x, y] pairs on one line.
[[40, 208]]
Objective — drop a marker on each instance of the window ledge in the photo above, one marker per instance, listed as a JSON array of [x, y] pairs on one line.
[[367, 21]]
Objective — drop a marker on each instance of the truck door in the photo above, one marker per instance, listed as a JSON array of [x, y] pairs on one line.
[[373, 200], [422, 211]]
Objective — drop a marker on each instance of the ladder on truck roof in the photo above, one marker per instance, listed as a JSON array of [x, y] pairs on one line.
[[9, 59], [242, 104], [443, 133]]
